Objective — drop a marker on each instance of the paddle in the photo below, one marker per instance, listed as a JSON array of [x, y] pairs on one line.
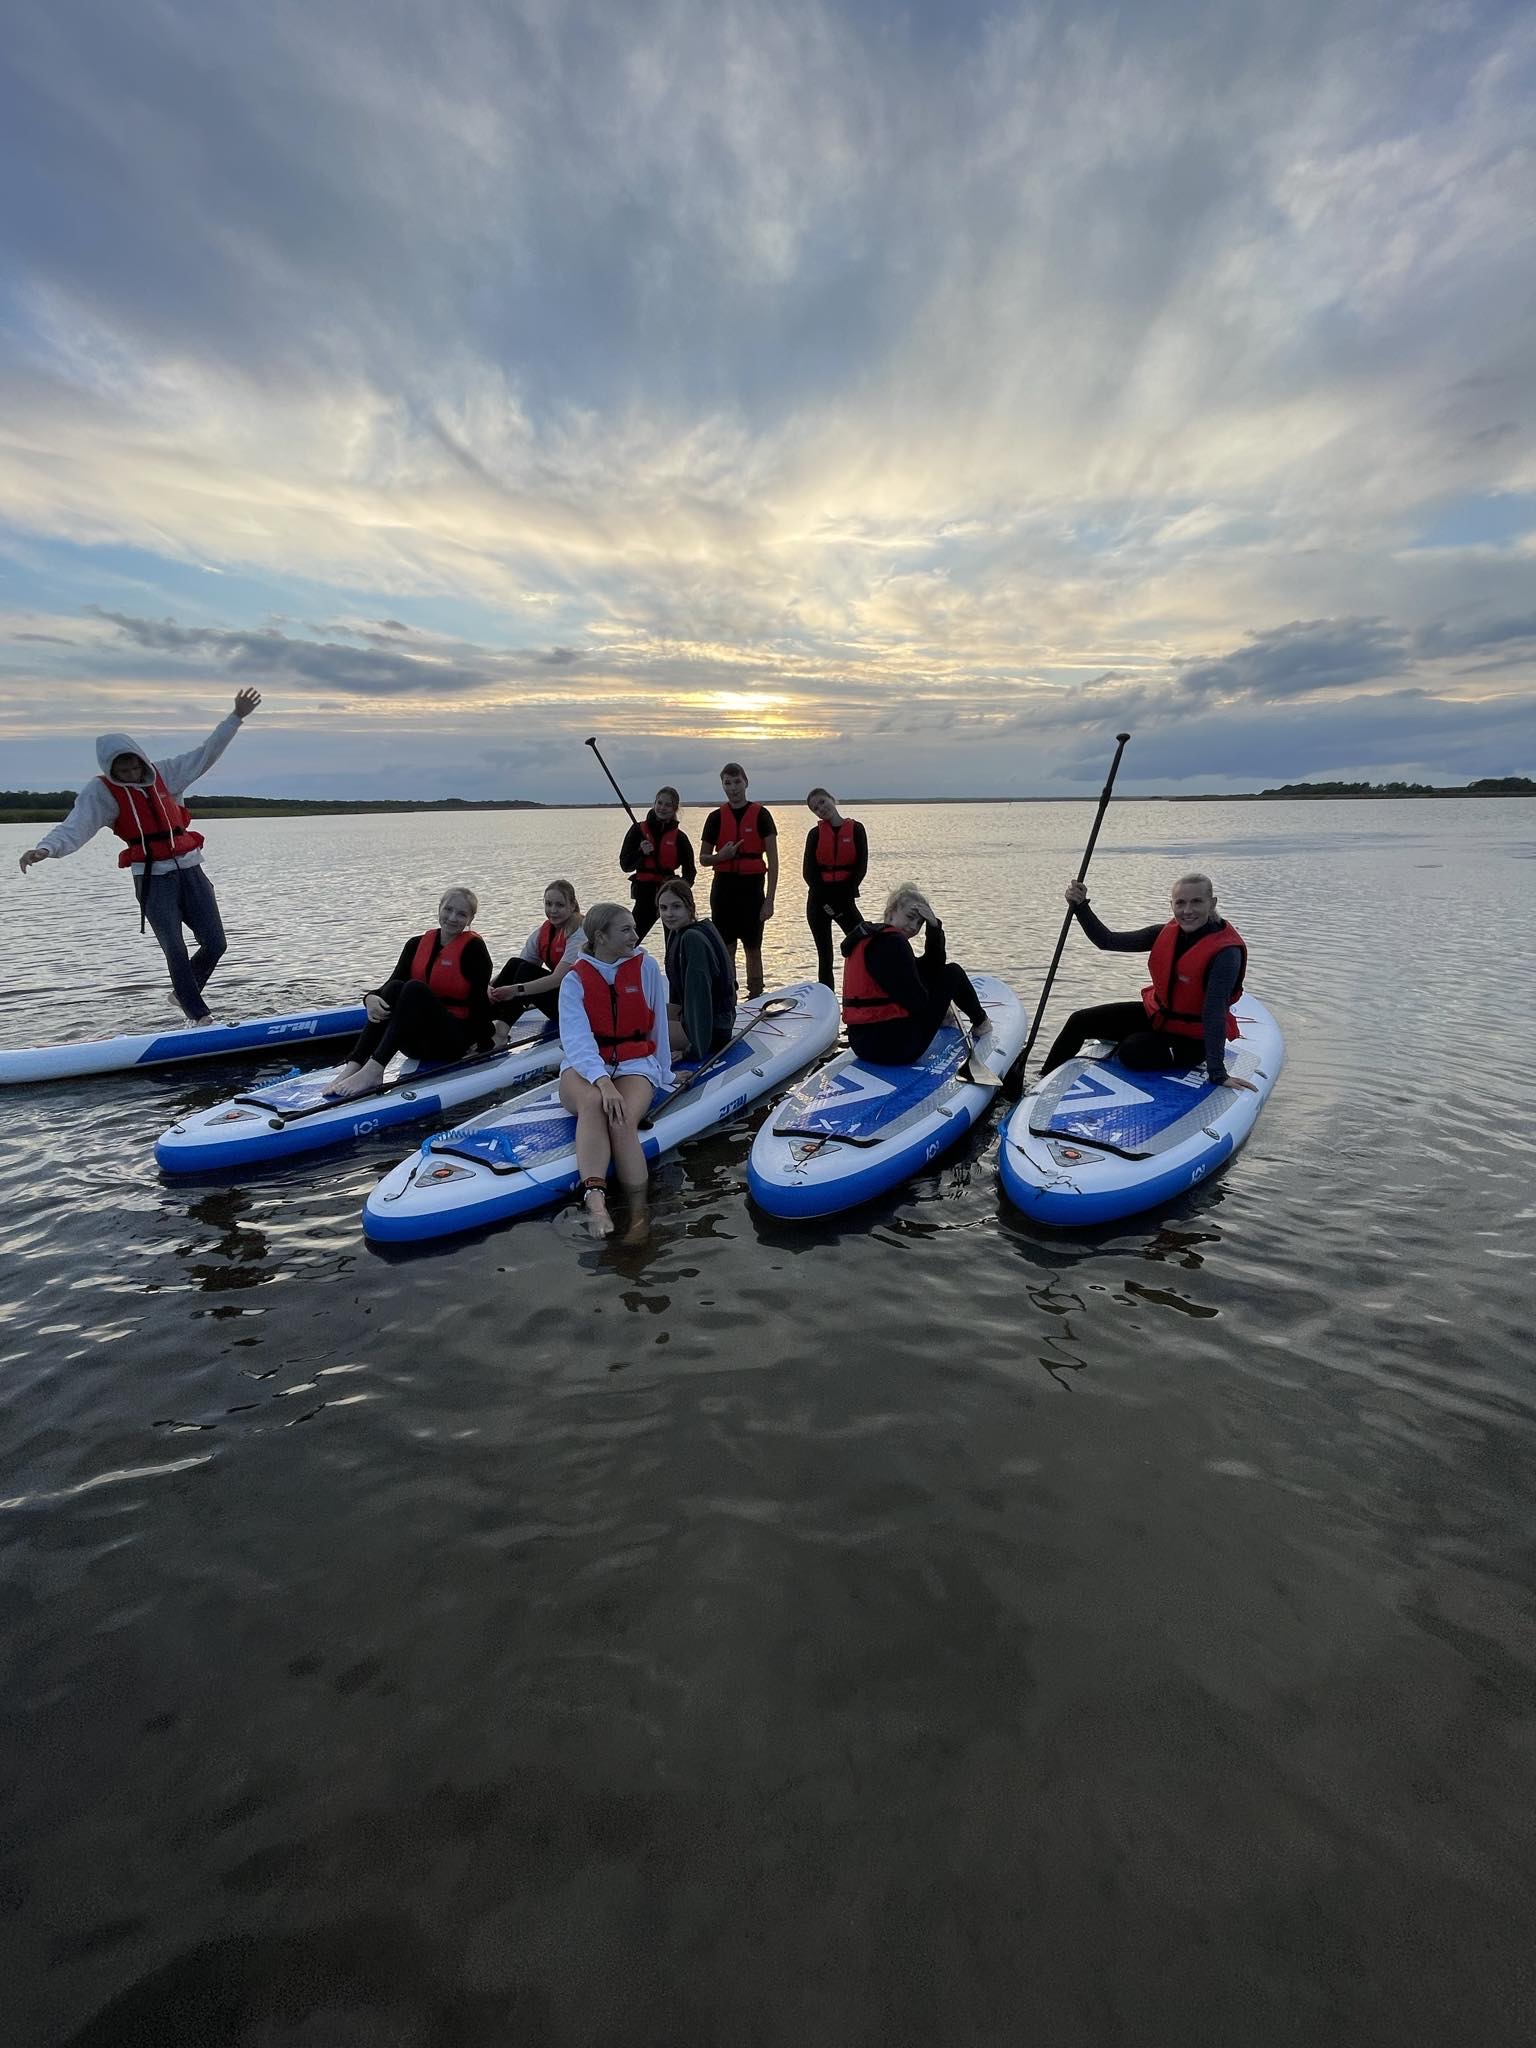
[[616, 789], [1066, 923], [776, 1006]]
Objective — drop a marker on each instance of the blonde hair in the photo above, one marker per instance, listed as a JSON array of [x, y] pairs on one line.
[[598, 919], [1204, 881], [906, 893], [464, 895]]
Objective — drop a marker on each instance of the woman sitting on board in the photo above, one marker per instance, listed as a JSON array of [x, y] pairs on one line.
[[1197, 962], [701, 983], [653, 852], [616, 1057], [435, 1006], [893, 1000], [531, 979]]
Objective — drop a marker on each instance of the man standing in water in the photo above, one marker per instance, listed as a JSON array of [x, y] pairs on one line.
[[741, 843], [140, 801]]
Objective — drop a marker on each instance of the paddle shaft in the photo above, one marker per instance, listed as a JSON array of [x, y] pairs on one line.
[[1066, 922], [616, 789]]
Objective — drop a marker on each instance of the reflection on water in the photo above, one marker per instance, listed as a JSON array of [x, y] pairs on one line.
[[922, 1627]]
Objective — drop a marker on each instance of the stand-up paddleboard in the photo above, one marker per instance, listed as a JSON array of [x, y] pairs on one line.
[[83, 1056], [855, 1130], [522, 1156], [1095, 1141], [293, 1115]]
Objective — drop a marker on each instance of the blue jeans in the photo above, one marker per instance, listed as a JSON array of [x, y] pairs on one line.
[[184, 896]]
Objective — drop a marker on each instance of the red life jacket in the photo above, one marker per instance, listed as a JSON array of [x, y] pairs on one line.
[[749, 842], [1174, 998], [663, 863], [151, 822], [836, 858], [551, 944], [444, 975], [864, 1000], [622, 1020]]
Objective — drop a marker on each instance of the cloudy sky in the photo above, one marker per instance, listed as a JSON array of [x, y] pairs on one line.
[[903, 397]]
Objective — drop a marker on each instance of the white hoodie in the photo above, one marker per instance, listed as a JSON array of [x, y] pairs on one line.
[[96, 806]]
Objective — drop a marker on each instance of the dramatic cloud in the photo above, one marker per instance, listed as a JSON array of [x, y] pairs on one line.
[[870, 387]]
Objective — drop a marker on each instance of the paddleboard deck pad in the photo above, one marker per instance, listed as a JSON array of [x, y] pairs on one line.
[[294, 1115], [1096, 1141], [855, 1130], [521, 1156], [127, 1052]]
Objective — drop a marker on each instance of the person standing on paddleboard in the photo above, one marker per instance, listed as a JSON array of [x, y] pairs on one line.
[[1197, 962], [653, 852], [741, 843], [532, 978], [893, 1000], [435, 1006], [835, 864], [616, 1057], [701, 982], [140, 800]]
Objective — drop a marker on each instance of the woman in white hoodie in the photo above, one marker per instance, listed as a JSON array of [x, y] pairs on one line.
[[616, 1058], [140, 800]]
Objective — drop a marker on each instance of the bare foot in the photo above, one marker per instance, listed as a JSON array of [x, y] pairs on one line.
[[358, 1082], [599, 1222]]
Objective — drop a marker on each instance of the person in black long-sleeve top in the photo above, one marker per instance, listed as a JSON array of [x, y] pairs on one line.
[[435, 1006], [895, 1000], [1171, 1027], [835, 864], [654, 851]]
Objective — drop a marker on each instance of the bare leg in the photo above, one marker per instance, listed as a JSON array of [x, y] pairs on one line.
[[754, 961], [629, 1157], [594, 1153]]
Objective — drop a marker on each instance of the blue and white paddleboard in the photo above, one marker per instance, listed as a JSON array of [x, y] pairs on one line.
[[293, 1115], [83, 1056], [1095, 1141], [522, 1156], [855, 1130]]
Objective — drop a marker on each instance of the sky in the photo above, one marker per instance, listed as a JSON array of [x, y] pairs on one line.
[[905, 399]]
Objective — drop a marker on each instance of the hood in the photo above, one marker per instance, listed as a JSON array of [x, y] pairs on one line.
[[110, 744]]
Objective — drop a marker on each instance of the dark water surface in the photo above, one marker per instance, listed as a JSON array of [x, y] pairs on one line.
[[921, 1630]]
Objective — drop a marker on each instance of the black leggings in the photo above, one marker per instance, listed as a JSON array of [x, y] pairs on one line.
[[418, 1024], [1143, 1050], [899, 1041], [844, 913], [525, 970], [644, 895]]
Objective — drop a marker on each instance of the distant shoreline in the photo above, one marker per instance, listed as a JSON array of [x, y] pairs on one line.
[[49, 808]]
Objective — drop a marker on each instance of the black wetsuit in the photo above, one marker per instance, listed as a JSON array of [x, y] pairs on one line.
[[1126, 1025], [924, 985], [644, 891], [829, 903], [419, 1023]]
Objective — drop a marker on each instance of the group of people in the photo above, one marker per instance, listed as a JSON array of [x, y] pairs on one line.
[[624, 1017]]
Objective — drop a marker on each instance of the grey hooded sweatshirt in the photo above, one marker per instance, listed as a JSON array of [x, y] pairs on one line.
[[96, 806]]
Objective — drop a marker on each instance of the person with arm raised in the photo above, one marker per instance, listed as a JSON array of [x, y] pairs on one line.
[[1197, 962], [895, 999], [140, 800]]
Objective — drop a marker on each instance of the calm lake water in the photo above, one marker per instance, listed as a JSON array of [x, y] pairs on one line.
[[923, 1629]]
